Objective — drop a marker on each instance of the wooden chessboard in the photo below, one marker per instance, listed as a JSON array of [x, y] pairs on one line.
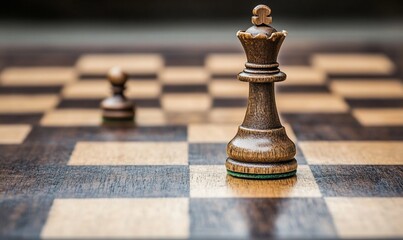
[[64, 174]]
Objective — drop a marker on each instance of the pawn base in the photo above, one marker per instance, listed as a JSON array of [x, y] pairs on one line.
[[117, 116], [126, 119], [261, 170]]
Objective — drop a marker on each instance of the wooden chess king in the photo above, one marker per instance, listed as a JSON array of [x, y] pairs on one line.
[[261, 149]]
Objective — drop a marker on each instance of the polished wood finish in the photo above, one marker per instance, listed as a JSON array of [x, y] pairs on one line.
[[261, 146], [44, 194]]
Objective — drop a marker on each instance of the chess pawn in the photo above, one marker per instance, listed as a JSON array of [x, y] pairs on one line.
[[117, 107], [261, 148]]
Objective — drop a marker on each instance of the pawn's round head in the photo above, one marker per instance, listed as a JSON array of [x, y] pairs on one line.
[[117, 76]]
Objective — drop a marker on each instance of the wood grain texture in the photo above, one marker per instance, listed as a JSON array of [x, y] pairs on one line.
[[367, 217], [131, 63], [353, 63], [20, 118], [225, 63], [212, 182], [211, 133], [226, 115], [13, 133], [379, 117], [184, 75], [117, 218], [23, 217], [186, 102], [261, 145], [361, 178], [94, 181], [207, 153], [127, 153], [101, 88], [380, 88], [72, 117], [303, 75], [27, 103], [226, 89], [376, 102], [37, 76], [353, 152], [260, 218], [311, 103]]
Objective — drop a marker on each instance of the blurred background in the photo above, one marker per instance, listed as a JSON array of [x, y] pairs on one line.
[[189, 23]]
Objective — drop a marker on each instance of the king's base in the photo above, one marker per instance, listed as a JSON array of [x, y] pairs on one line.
[[261, 170], [262, 176]]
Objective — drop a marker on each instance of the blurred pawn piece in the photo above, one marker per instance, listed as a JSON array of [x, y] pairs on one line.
[[117, 107]]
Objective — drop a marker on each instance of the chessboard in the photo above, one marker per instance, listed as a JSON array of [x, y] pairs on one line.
[[66, 174]]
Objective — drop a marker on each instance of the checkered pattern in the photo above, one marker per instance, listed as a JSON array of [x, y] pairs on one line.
[[66, 175]]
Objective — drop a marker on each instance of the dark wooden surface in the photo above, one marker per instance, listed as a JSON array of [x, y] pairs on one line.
[[35, 173]]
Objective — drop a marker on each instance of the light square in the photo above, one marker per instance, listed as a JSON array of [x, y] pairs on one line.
[[129, 153], [72, 117], [27, 103], [367, 217], [211, 133], [380, 88], [96, 89], [184, 75], [353, 152], [37, 76], [310, 103], [302, 75], [117, 218], [212, 181], [185, 118], [14, 133], [131, 63], [143, 89], [347, 63], [87, 89], [150, 117], [228, 89], [186, 102], [225, 63], [226, 115], [379, 116]]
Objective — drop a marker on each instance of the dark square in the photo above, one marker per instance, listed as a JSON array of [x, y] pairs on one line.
[[200, 88], [29, 118], [28, 154], [302, 88], [301, 218], [23, 218], [375, 103], [207, 153], [30, 90], [359, 180], [95, 181], [126, 181]]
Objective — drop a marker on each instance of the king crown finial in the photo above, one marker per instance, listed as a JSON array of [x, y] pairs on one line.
[[261, 15]]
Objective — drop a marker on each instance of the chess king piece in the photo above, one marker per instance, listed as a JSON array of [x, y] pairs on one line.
[[261, 148], [117, 107]]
